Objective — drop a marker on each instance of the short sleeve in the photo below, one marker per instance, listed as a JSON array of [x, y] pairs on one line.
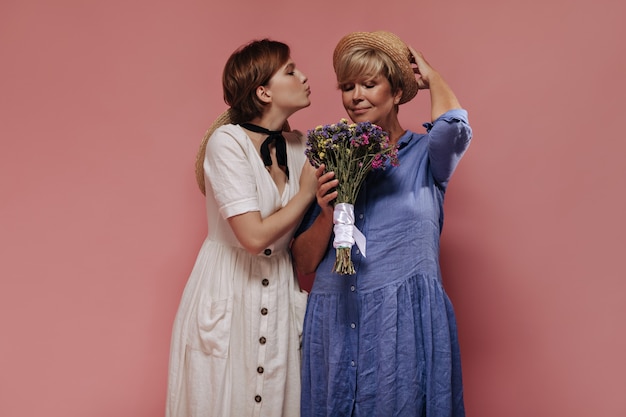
[[229, 172]]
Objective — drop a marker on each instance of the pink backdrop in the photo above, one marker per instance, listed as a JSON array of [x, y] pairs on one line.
[[103, 105]]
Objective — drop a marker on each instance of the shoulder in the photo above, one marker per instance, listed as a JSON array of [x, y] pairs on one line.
[[229, 130], [228, 135]]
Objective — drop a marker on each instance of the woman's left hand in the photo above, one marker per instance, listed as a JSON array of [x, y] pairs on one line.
[[442, 98], [423, 69]]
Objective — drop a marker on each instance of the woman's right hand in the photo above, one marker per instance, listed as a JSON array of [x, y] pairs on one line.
[[326, 187]]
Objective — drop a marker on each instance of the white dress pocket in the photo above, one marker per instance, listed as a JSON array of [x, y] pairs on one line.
[[214, 325]]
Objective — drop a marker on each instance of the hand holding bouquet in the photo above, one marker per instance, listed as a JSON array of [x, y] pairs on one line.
[[351, 151]]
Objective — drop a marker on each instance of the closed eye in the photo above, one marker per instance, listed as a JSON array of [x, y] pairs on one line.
[[290, 69], [350, 86]]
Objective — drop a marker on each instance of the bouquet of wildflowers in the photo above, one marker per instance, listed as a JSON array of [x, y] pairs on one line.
[[351, 151]]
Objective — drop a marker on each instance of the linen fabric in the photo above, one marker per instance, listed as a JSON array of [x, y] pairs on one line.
[[235, 347], [383, 342]]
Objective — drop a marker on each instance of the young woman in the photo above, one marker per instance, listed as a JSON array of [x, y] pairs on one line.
[[236, 339], [383, 342]]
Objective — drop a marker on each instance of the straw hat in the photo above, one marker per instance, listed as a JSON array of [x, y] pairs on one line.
[[223, 119], [391, 45]]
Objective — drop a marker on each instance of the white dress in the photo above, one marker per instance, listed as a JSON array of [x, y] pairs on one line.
[[236, 340]]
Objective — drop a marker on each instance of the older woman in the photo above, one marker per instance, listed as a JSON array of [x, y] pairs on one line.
[[383, 341]]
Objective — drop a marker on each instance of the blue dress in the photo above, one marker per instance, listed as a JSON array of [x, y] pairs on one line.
[[383, 342]]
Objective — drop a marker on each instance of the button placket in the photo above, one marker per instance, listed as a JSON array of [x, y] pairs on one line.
[[353, 319], [263, 328]]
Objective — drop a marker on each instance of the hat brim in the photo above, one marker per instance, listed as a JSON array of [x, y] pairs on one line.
[[391, 45], [223, 119]]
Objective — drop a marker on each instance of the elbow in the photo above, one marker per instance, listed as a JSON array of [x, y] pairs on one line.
[[255, 246], [256, 250], [466, 135]]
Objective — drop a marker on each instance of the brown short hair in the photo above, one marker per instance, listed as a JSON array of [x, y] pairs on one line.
[[249, 67]]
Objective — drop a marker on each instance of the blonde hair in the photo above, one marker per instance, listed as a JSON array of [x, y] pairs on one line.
[[359, 62]]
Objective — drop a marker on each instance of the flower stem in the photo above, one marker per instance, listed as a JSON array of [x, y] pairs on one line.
[[343, 262]]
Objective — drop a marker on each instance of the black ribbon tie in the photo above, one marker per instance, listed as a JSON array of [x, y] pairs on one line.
[[275, 136]]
